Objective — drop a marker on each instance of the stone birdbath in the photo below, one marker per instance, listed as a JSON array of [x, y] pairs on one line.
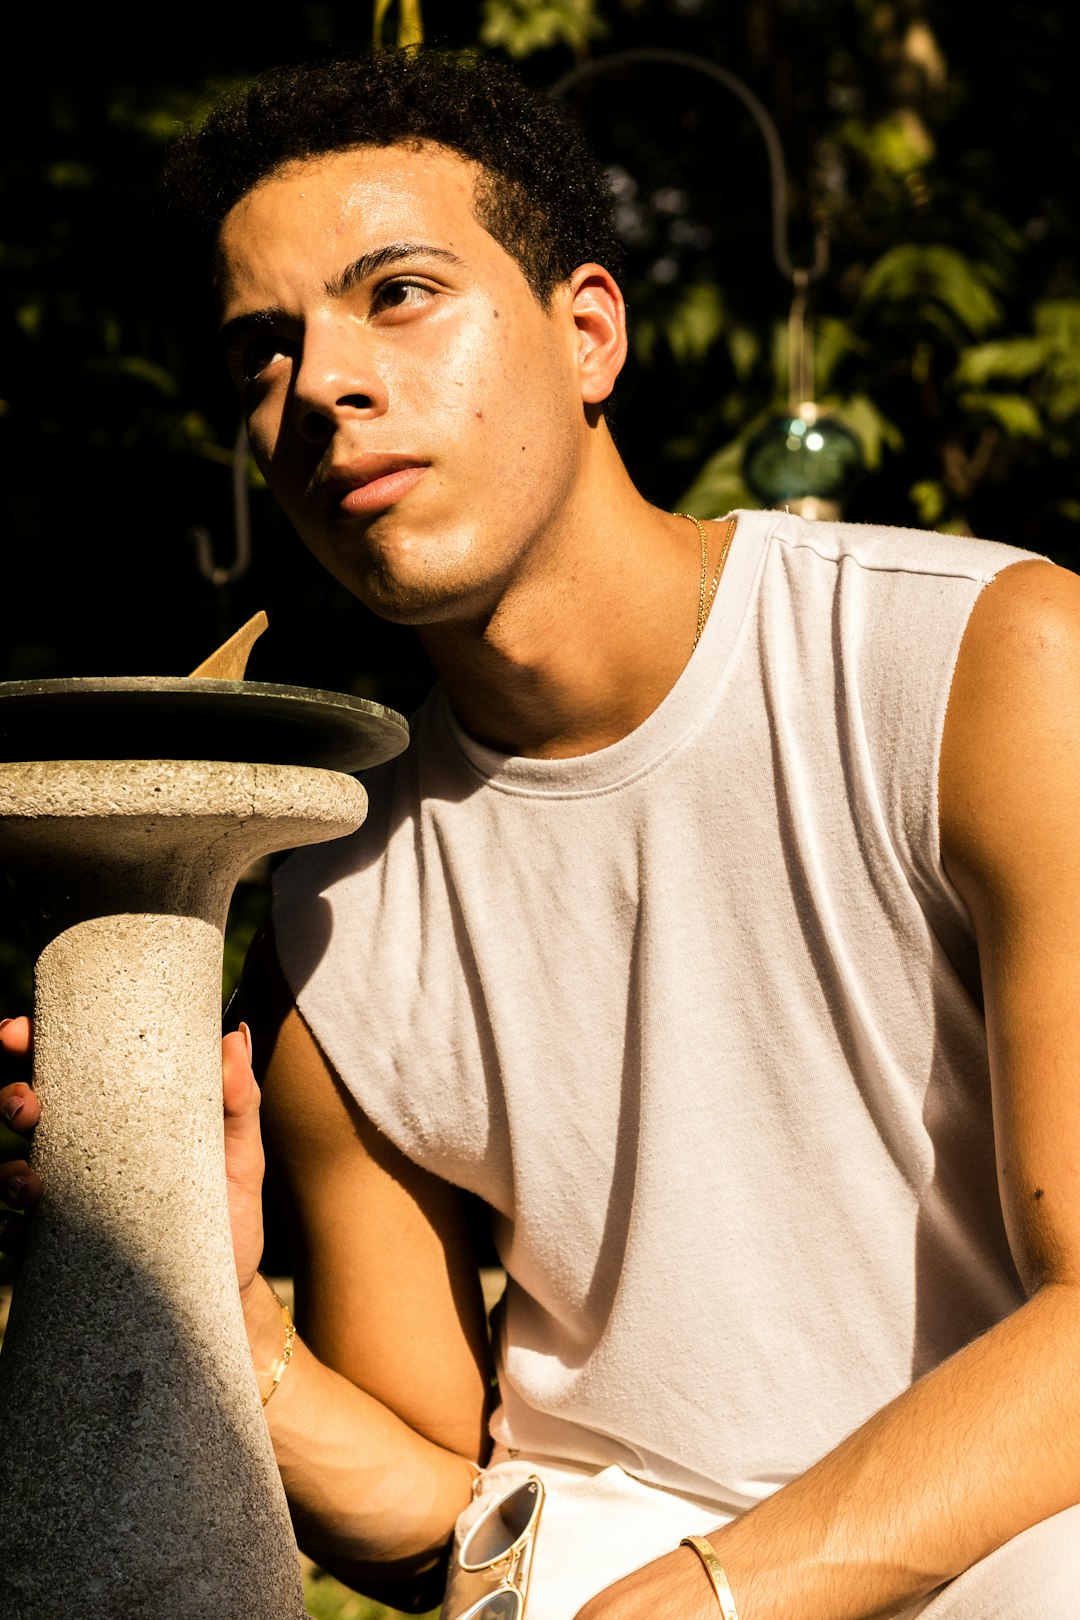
[[137, 1479]]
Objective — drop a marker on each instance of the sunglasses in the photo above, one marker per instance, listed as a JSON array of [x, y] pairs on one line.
[[504, 1534]]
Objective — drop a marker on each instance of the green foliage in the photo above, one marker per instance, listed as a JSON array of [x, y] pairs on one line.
[[719, 486], [875, 433], [930, 499], [520, 27], [326, 1599], [1016, 359], [945, 287], [896, 145], [1013, 412], [691, 326]]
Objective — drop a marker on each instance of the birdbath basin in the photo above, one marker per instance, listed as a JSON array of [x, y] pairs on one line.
[[138, 1478]]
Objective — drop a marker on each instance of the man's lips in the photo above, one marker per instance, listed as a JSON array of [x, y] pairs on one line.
[[373, 482]]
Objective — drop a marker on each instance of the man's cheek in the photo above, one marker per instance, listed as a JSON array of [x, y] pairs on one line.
[[260, 442]]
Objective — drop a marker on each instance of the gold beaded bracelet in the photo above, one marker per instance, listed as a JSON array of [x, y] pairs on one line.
[[714, 1570], [287, 1350]]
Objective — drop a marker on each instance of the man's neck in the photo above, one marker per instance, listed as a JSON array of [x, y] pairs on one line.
[[577, 660]]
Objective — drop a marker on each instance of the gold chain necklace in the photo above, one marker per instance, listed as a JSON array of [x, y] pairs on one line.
[[707, 587]]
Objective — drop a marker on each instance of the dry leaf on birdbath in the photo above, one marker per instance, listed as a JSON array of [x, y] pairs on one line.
[[230, 660]]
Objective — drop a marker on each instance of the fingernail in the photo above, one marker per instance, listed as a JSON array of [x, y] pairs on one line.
[[13, 1190], [12, 1109], [246, 1033], [4, 1022]]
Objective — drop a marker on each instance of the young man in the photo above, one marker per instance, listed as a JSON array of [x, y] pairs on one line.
[[719, 929]]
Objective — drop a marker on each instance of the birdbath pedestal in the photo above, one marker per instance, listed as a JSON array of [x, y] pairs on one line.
[[138, 1481]]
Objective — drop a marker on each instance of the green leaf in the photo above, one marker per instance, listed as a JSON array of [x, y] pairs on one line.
[[934, 275], [134, 365], [1014, 358], [1013, 412], [833, 341], [696, 321], [719, 487], [521, 27], [689, 327], [929, 499], [644, 335], [744, 348], [1058, 320], [874, 431], [901, 143]]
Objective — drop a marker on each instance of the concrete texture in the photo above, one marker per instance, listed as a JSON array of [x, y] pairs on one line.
[[137, 1480]]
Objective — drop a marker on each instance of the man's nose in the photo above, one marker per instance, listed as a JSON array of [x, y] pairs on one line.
[[337, 380]]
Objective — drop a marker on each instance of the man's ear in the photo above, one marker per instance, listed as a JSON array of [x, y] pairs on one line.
[[599, 315]]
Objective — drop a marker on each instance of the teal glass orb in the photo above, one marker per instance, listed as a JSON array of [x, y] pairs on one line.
[[800, 454]]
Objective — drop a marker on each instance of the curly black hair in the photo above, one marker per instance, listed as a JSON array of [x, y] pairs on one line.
[[541, 194]]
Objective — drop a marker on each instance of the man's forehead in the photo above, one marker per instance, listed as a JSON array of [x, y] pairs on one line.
[[367, 176], [341, 205], [321, 216]]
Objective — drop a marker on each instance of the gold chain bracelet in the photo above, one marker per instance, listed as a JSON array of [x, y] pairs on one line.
[[287, 1349]]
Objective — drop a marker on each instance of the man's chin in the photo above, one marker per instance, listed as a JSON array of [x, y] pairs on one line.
[[404, 588], [416, 603]]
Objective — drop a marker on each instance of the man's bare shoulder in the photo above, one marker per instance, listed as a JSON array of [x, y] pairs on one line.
[[1010, 756]]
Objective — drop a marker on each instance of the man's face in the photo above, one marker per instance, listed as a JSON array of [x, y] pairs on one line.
[[413, 408]]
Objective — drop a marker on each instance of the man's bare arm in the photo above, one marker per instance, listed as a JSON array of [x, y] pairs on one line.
[[386, 1394], [989, 1442]]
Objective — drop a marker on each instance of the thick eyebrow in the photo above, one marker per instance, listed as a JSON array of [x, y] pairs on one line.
[[232, 333], [368, 264]]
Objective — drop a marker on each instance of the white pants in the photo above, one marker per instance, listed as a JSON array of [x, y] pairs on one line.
[[598, 1526]]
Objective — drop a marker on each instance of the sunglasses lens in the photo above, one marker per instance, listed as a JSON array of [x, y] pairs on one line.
[[492, 1536], [502, 1605]]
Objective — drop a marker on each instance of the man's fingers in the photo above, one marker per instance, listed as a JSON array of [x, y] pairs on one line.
[[16, 1036], [239, 1090], [20, 1187], [19, 1108]]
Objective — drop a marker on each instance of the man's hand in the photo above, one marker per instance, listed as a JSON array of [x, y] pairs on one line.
[[674, 1587], [20, 1112], [20, 1187], [244, 1161]]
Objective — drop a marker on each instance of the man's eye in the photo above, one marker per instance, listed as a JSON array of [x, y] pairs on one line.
[[248, 357], [256, 356], [400, 294]]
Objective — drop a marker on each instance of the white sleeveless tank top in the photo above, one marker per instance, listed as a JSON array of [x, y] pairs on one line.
[[698, 1016]]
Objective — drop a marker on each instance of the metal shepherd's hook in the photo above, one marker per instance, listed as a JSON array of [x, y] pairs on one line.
[[209, 567], [761, 117]]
